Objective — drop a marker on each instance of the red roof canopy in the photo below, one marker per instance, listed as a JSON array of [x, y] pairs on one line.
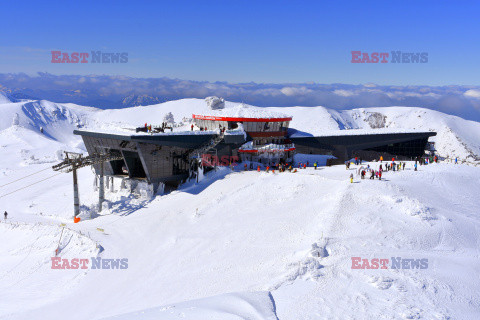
[[215, 118]]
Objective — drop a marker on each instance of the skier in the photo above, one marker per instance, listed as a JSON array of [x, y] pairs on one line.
[[363, 174], [381, 159], [380, 175], [315, 165], [456, 160], [304, 166], [415, 165], [372, 175], [5, 215], [351, 177], [258, 168], [404, 166], [245, 167], [192, 126]]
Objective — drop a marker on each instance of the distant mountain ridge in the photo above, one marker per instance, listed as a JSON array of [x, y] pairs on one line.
[[112, 92], [140, 100]]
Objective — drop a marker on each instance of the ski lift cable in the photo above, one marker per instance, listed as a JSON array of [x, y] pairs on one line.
[[30, 185], [3, 185]]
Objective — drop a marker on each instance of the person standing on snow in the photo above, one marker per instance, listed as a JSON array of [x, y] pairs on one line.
[[415, 165], [315, 165], [456, 160], [351, 177], [5, 215]]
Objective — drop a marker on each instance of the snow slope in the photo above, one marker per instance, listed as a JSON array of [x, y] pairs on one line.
[[238, 245], [233, 234]]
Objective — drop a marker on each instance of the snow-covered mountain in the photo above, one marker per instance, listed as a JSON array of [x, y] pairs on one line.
[[238, 245], [456, 137]]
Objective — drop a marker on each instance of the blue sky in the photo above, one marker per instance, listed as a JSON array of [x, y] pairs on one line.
[[243, 41]]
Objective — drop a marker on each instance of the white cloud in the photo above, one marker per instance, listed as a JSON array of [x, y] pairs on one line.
[[472, 93], [295, 91], [344, 93]]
